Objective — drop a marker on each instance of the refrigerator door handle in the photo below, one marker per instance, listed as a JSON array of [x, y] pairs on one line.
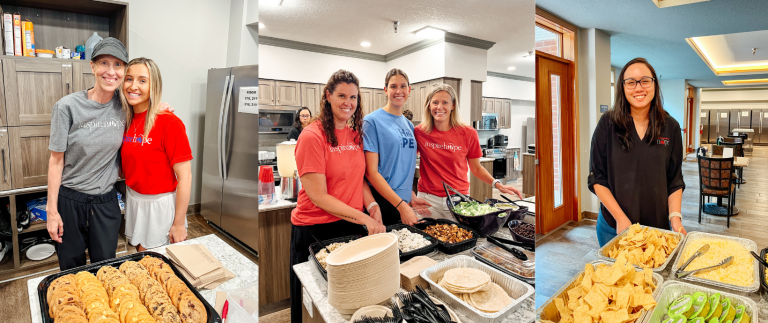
[[221, 112], [223, 149]]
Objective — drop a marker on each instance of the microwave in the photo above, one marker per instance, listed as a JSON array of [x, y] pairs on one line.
[[276, 119], [489, 121]]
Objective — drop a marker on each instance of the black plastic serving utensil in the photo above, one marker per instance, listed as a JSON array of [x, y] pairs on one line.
[[517, 253], [318, 241], [762, 262], [527, 246]]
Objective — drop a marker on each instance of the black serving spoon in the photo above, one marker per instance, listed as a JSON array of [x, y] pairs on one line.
[[763, 262]]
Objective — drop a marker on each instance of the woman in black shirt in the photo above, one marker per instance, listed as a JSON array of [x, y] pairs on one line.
[[302, 120], [636, 158]]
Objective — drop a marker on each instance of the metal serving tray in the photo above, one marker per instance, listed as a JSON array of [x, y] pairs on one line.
[[748, 244], [672, 289], [603, 252], [515, 288], [525, 271], [548, 311]]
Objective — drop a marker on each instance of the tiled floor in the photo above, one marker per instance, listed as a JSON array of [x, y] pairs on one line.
[[563, 253]]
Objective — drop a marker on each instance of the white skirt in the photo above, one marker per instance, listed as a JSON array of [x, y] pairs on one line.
[[148, 218]]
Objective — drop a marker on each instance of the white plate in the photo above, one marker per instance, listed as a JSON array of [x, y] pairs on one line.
[[40, 252]]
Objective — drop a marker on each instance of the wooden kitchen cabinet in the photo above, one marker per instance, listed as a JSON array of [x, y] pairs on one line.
[[5, 161], [310, 97], [506, 114], [366, 99], [379, 100], [267, 92], [476, 108], [455, 84], [422, 90], [82, 76], [287, 93], [478, 189], [32, 87], [29, 160], [488, 105]]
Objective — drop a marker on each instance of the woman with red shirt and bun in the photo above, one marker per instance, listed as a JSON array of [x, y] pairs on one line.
[[331, 164], [155, 160], [448, 148]]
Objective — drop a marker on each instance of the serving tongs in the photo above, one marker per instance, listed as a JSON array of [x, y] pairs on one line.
[[698, 253], [517, 253], [463, 197], [725, 261], [760, 260]]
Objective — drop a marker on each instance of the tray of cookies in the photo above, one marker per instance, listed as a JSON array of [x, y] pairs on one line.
[[143, 287]]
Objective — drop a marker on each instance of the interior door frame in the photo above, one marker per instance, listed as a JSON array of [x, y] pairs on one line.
[[570, 149]]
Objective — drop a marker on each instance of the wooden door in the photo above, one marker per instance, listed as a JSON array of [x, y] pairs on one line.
[[82, 76], [266, 92], [287, 93], [366, 99], [310, 97], [5, 161], [29, 155], [476, 109], [555, 143], [456, 85], [32, 87]]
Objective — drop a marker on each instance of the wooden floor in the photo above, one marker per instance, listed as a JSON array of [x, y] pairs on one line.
[[14, 303], [563, 253]]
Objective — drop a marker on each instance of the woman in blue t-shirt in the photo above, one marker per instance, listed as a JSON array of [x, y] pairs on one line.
[[390, 154]]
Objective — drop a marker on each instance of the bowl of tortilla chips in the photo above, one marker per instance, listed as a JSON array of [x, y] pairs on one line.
[[643, 246]]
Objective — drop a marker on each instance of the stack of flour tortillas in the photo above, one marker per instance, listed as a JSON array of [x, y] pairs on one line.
[[475, 287]]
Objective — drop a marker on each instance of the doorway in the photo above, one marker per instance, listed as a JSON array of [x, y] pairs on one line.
[[555, 143]]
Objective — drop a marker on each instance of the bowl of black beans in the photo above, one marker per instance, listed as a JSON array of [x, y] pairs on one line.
[[522, 231]]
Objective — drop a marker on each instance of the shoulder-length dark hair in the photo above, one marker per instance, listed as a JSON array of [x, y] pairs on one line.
[[621, 114], [326, 114], [297, 120]]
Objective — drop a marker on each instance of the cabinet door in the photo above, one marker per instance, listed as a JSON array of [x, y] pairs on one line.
[[266, 92], [506, 113], [366, 100], [379, 99], [488, 105], [434, 83], [413, 105], [310, 97], [456, 85], [497, 104], [5, 161], [29, 165], [82, 76], [476, 108], [287, 93], [422, 90], [32, 87]]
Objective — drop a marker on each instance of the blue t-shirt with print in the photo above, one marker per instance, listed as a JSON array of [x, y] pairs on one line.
[[392, 138]]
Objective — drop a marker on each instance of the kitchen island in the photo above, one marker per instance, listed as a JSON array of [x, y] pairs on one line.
[[246, 272], [275, 251], [316, 308]]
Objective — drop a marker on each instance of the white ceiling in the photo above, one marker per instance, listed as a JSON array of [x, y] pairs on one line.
[[735, 49], [347, 23]]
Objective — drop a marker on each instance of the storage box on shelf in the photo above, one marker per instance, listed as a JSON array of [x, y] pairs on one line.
[[30, 86]]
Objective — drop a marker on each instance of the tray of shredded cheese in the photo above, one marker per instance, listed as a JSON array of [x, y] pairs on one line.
[[742, 274]]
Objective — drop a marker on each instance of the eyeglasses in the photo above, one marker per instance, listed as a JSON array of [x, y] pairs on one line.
[[644, 82], [303, 116]]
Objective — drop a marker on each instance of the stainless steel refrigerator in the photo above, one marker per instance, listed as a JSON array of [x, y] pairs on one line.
[[755, 125], [762, 126], [718, 124], [704, 126], [230, 190]]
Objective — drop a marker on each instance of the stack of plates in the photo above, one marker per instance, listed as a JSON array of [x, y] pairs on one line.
[[363, 272]]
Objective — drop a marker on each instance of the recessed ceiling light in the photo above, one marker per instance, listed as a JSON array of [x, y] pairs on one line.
[[430, 32], [365, 44], [261, 25], [273, 3], [733, 69], [511, 68], [746, 82]]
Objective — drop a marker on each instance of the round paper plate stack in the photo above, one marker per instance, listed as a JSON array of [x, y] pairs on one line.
[[363, 272]]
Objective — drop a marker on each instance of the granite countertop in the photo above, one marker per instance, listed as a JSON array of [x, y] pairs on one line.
[[281, 204], [316, 289], [245, 270]]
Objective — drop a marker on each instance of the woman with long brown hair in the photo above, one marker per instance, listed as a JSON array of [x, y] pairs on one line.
[[448, 148], [331, 164], [303, 118], [636, 158]]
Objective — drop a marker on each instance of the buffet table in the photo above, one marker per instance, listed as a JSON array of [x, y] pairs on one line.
[[317, 308], [245, 271]]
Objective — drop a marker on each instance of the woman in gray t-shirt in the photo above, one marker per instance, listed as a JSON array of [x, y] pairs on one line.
[[86, 133]]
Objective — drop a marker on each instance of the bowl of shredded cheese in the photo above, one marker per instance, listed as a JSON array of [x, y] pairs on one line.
[[742, 274]]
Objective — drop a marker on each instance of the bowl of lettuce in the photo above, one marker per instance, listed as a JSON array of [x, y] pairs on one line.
[[483, 217]]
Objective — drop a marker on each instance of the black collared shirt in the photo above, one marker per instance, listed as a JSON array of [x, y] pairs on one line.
[[642, 178]]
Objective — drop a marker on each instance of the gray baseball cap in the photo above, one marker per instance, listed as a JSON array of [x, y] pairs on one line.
[[110, 46]]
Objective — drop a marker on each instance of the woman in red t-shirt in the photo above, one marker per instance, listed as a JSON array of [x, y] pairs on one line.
[[155, 160], [331, 163], [447, 148]]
